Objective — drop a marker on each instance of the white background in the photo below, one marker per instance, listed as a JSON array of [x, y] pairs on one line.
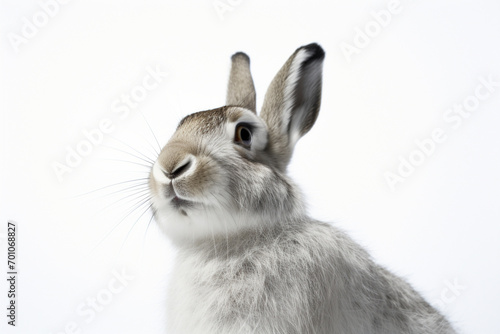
[[438, 228]]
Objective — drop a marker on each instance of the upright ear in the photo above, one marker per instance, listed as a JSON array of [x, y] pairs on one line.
[[240, 90], [292, 101]]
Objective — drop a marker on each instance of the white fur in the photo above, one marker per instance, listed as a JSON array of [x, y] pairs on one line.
[[159, 174], [289, 95]]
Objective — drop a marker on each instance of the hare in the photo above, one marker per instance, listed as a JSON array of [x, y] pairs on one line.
[[250, 259]]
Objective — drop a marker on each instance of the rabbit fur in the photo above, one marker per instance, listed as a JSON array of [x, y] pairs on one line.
[[250, 259]]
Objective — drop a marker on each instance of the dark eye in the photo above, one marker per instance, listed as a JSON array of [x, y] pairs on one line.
[[243, 135]]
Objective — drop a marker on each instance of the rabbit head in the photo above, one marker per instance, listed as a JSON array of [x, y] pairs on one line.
[[224, 170]]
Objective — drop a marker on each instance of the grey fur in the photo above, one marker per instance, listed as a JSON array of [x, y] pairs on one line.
[[250, 259], [293, 100], [240, 90]]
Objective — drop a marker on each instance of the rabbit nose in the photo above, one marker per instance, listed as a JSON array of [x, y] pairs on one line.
[[181, 168]]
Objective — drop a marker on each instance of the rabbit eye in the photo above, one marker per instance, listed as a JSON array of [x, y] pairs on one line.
[[243, 135]]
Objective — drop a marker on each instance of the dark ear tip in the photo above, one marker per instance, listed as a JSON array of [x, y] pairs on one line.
[[314, 50], [240, 56]]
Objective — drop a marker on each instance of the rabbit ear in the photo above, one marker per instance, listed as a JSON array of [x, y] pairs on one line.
[[292, 101], [240, 89]]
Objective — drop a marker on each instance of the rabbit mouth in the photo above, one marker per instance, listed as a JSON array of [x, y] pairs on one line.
[[175, 201]]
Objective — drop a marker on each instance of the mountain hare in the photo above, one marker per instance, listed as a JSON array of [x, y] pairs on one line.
[[250, 259]]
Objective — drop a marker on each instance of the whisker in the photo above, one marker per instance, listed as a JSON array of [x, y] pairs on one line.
[[126, 199], [129, 198], [151, 149], [144, 172], [135, 223], [134, 149], [139, 180], [130, 162], [152, 132], [148, 161], [147, 228], [130, 188], [119, 223]]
